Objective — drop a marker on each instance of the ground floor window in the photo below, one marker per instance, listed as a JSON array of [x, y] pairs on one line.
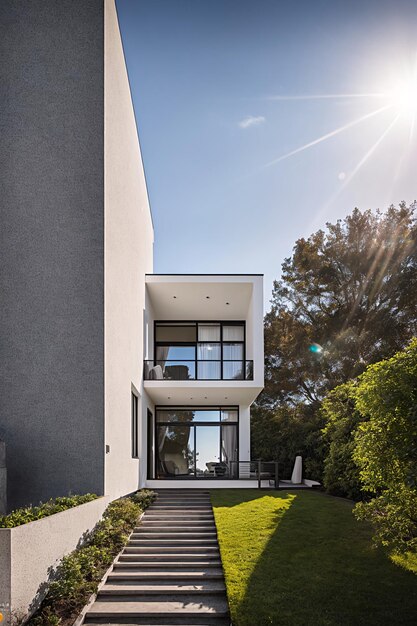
[[200, 442]]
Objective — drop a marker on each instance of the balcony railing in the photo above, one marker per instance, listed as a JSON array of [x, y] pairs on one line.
[[198, 370]]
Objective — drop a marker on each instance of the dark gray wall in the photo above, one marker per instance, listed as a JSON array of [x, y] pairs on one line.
[[52, 246]]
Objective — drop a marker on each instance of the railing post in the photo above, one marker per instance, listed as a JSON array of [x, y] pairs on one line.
[[259, 473], [276, 475]]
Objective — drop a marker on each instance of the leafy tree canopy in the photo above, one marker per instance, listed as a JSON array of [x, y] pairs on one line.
[[347, 298]]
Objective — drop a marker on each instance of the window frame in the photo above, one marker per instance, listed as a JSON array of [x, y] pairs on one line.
[[195, 323], [194, 425], [134, 417]]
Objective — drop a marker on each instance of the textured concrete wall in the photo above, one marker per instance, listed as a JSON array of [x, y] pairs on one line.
[[128, 256], [3, 479], [51, 246], [30, 553]]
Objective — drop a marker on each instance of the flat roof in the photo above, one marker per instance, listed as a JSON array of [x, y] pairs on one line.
[[155, 274]]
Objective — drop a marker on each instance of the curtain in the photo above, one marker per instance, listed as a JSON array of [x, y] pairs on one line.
[[208, 332], [162, 354], [162, 433], [233, 333], [233, 352], [229, 416], [229, 448], [207, 352]]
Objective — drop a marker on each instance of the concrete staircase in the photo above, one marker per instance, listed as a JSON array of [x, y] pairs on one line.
[[170, 571]]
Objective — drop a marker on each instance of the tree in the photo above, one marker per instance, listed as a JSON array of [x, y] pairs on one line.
[[282, 433], [386, 447], [347, 298]]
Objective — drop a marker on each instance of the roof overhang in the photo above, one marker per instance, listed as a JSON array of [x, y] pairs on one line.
[[204, 297]]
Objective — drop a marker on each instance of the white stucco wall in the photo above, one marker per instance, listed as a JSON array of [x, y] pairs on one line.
[[128, 256], [244, 433], [30, 553]]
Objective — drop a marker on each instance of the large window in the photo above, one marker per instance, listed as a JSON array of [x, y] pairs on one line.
[[200, 351], [199, 442]]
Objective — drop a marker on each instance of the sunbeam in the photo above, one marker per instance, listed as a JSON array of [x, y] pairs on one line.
[[328, 96], [369, 153], [319, 217], [333, 133]]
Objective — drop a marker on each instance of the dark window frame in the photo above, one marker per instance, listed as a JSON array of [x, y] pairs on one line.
[[195, 323], [134, 423], [194, 425]]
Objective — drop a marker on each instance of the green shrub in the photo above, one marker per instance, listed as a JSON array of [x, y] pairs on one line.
[[144, 498], [33, 513], [386, 448], [394, 518], [341, 473], [80, 572]]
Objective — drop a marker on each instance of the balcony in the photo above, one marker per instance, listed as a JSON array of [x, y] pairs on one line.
[[198, 369], [200, 332]]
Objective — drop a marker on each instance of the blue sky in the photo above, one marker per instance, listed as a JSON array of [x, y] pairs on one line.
[[205, 76]]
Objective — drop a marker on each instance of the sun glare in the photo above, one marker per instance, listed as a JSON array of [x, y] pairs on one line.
[[404, 96], [394, 102]]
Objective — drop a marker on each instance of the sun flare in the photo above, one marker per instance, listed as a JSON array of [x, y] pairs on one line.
[[404, 96], [393, 101]]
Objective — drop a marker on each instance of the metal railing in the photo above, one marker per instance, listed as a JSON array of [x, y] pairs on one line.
[[198, 369], [258, 471]]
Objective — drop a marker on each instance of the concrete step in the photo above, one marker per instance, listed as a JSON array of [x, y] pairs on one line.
[[139, 539], [162, 598], [193, 506], [174, 520], [141, 592], [179, 565], [158, 556], [177, 528], [179, 518], [180, 500], [158, 534], [198, 606], [166, 576], [139, 549], [163, 527], [167, 515]]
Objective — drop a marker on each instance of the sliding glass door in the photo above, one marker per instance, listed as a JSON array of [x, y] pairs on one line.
[[196, 443]]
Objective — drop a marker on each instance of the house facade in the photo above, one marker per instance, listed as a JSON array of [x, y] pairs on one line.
[[112, 378], [203, 369]]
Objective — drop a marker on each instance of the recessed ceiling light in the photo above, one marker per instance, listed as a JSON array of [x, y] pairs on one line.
[[169, 397], [225, 398], [190, 398], [227, 303], [175, 297], [205, 397], [207, 297]]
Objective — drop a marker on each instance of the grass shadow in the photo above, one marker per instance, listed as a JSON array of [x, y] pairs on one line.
[[315, 566]]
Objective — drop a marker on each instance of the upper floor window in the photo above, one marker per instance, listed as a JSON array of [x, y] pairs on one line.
[[200, 351]]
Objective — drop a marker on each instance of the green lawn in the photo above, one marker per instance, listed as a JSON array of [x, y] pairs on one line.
[[301, 558]]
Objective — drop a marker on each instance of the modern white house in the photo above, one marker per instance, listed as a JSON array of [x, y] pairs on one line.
[[112, 378], [203, 339]]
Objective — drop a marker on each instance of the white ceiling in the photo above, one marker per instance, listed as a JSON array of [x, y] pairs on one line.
[[200, 297]]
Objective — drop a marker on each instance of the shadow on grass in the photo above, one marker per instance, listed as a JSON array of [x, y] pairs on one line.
[[318, 568]]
